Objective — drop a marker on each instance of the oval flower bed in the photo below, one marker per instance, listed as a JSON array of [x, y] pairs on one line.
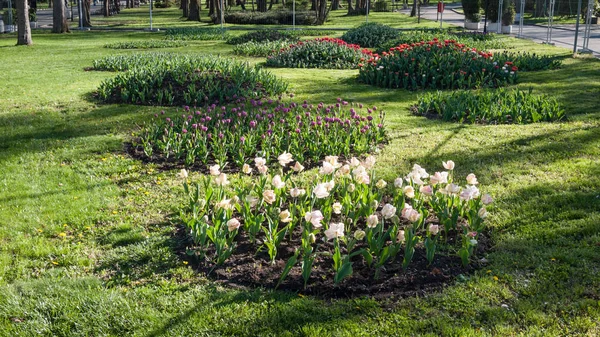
[[239, 133], [499, 106], [340, 221], [435, 65], [185, 81], [325, 52]]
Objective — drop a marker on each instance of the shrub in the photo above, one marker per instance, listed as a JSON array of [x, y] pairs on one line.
[[472, 10], [319, 53], [381, 6], [435, 65], [200, 34], [508, 17], [500, 106], [148, 44], [235, 134], [343, 212], [273, 17], [370, 35], [191, 81], [257, 49], [263, 35]]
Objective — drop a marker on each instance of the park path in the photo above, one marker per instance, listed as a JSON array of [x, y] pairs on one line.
[[562, 35]]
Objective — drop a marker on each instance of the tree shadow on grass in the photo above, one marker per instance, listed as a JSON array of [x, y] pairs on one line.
[[33, 133], [571, 85]]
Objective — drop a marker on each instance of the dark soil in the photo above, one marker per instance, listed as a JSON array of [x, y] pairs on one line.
[[247, 268], [171, 163]]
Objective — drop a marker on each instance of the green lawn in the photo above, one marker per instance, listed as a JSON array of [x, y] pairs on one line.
[[171, 17], [86, 232]]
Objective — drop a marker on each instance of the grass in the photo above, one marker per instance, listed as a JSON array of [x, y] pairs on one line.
[[171, 17], [87, 244]]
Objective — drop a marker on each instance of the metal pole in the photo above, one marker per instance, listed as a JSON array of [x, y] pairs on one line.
[[550, 23], [367, 11], [294, 14], [577, 27], [222, 13], [10, 18], [588, 26], [521, 18], [500, 4], [441, 17], [150, 14]]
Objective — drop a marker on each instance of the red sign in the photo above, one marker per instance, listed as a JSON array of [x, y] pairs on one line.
[[440, 7]]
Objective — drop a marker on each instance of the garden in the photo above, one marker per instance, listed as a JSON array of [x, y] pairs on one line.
[[309, 182]]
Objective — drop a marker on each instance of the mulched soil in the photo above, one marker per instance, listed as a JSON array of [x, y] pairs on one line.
[[167, 164], [247, 269]]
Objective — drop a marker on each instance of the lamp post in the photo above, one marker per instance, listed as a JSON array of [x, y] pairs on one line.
[[150, 15], [294, 14], [487, 8]]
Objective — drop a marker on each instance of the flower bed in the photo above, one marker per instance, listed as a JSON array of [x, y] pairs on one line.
[[490, 107], [237, 134], [141, 60], [477, 40], [370, 35], [263, 35], [199, 34], [325, 52], [148, 44], [259, 48], [527, 61], [343, 218], [435, 65], [190, 81]]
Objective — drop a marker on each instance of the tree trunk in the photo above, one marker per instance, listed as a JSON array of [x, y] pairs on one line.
[[23, 29], [413, 11], [350, 9], [335, 5], [86, 21], [185, 5], [59, 18], [261, 5], [322, 12], [540, 8], [194, 11], [105, 8]]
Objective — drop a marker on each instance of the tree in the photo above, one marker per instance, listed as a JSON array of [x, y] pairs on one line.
[[23, 29], [86, 21], [194, 10], [185, 6], [59, 17]]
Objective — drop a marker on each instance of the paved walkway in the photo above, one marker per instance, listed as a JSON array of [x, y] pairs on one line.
[[562, 36]]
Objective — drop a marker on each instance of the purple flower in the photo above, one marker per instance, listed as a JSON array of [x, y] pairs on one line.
[[221, 135], [162, 112], [204, 128], [369, 118], [339, 99], [184, 131], [253, 124], [242, 139], [297, 130]]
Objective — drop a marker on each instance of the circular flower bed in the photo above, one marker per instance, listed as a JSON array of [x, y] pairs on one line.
[[436, 65], [319, 53], [263, 127], [185, 81], [342, 221]]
